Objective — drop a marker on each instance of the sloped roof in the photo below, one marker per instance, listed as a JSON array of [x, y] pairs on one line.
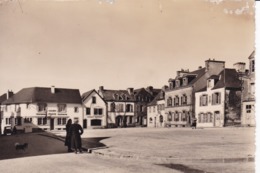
[[229, 79], [108, 95], [86, 94], [159, 96], [40, 94], [198, 73], [3, 98]]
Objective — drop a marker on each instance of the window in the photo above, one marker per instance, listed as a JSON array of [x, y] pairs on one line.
[[27, 120], [184, 100], [177, 83], [210, 117], [61, 121], [170, 116], [183, 116], [95, 122], [176, 116], [129, 108], [87, 111], [98, 111], [76, 109], [120, 107], [169, 101], [153, 108], [61, 107], [42, 121], [94, 100], [7, 120], [209, 83], [204, 100], [176, 101], [42, 107], [216, 99], [205, 118], [248, 108], [112, 107], [253, 66], [184, 81], [149, 109], [200, 117]]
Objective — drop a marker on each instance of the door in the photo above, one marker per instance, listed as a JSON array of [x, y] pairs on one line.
[[85, 123], [119, 120], [52, 124], [217, 122]]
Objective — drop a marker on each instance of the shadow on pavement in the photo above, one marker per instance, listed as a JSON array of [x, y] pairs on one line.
[[41, 143], [182, 168]]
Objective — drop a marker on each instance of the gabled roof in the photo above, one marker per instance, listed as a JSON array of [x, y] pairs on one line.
[[88, 93], [40, 94], [229, 78], [109, 95]]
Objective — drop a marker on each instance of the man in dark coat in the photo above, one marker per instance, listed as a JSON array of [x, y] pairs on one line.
[[68, 135], [75, 132]]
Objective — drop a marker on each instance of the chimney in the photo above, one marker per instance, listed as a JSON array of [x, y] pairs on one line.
[[101, 88], [9, 94], [149, 89], [240, 67], [130, 90], [165, 87], [53, 89]]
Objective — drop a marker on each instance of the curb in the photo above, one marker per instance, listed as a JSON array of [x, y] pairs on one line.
[[165, 159]]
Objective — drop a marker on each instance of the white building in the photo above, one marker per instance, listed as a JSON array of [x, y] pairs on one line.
[[42, 108], [248, 97], [156, 111], [95, 110], [218, 104]]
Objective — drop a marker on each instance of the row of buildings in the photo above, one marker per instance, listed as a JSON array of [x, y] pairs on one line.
[[214, 95]]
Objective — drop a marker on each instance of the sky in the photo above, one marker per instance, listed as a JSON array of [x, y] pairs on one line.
[[118, 44]]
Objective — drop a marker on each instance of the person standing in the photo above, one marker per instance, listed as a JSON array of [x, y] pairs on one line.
[[76, 131], [68, 135]]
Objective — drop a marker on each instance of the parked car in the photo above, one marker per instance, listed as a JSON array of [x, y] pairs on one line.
[[8, 130]]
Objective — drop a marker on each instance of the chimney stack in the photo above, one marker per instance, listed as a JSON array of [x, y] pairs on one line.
[[130, 90], [9, 94], [101, 88], [240, 67], [53, 89]]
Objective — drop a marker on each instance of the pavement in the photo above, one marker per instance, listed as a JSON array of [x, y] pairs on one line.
[[216, 150]]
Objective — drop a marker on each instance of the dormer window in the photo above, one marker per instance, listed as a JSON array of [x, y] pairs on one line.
[[177, 82], [209, 83], [184, 81], [42, 107], [116, 96]]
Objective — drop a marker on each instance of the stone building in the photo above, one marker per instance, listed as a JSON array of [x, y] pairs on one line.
[[219, 103], [180, 96], [120, 106]]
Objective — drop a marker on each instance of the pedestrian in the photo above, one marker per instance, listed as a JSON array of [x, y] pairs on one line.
[[68, 135], [194, 123], [76, 131]]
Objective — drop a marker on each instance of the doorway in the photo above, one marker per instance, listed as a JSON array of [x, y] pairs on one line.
[[52, 124]]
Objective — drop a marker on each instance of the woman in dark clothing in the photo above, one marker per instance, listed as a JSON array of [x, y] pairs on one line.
[[68, 136], [75, 131]]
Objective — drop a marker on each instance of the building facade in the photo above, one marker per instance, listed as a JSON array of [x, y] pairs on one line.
[[219, 104], [94, 110], [180, 96], [248, 96], [120, 106], [42, 108], [142, 97], [156, 116]]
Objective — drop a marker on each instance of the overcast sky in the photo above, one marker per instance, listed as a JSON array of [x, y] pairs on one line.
[[118, 44]]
